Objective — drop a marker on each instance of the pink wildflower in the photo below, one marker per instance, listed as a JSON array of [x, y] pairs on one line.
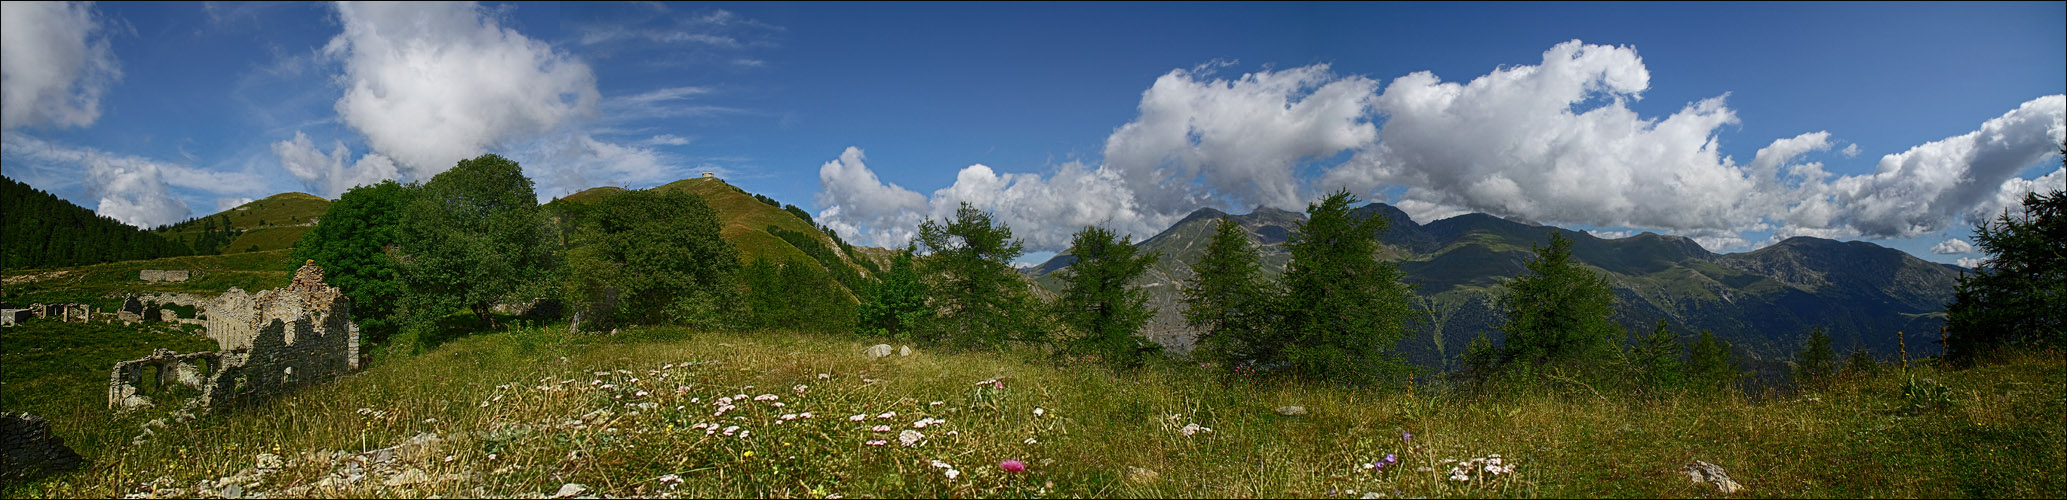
[[1012, 466]]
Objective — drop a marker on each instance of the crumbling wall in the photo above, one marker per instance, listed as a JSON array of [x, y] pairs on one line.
[[29, 450], [271, 342], [126, 384]]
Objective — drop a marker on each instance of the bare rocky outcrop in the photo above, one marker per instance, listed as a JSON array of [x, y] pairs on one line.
[[271, 342], [28, 450]]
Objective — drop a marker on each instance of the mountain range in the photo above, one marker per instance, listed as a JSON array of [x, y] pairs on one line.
[[1763, 301]]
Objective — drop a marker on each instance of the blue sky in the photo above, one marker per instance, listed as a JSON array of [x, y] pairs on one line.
[[1735, 124]]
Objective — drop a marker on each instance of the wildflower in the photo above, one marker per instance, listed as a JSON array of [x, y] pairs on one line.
[[748, 454], [804, 415], [639, 394], [1032, 441], [609, 387], [877, 442], [1194, 428], [800, 388], [777, 404], [937, 464], [788, 416], [635, 380], [767, 397], [594, 382], [742, 434], [1406, 437], [450, 458], [998, 384], [910, 437], [729, 430], [1038, 411], [936, 403], [951, 474], [823, 376], [887, 415], [857, 418], [671, 479], [1390, 458], [880, 428]]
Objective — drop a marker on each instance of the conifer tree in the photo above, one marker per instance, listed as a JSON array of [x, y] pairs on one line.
[[1558, 314], [982, 301], [1816, 362], [1343, 312], [1098, 302], [896, 306], [1710, 365], [2018, 295], [1656, 359], [1227, 298]]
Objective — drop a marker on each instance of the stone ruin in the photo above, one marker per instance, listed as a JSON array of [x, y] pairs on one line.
[[154, 275], [271, 343], [63, 312], [29, 450]]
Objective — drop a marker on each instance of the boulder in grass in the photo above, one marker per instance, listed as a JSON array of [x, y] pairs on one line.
[[1704, 472], [878, 351]]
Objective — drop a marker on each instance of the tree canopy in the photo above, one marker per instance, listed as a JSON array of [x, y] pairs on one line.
[[1098, 302], [2018, 295], [652, 257], [1344, 311], [982, 301], [474, 237], [352, 244], [1227, 300], [1558, 313]]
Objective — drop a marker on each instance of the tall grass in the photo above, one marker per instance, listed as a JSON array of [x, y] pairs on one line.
[[523, 412]]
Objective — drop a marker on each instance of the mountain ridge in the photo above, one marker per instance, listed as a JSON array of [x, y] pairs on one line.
[[1762, 300]]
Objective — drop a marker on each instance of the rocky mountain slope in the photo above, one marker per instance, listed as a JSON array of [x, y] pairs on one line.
[[1762, 301]]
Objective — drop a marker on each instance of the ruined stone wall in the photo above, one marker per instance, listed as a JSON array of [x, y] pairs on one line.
[[29, 450], [126, 384], [271, 342]]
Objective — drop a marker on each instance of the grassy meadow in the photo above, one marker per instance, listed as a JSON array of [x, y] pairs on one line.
[[669, 412]]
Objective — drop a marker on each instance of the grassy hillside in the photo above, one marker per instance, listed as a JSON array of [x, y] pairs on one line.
[[273, 223], [517, 414], [746, 220], [103, 285]]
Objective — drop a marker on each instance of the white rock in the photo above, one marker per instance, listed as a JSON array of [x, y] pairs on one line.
[[878, 350], [571, 490], [1704, 472]]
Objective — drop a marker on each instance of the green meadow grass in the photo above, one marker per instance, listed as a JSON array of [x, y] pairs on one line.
[[523, 412]]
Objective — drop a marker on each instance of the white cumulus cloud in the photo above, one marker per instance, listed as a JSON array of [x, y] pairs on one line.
[[1970, 262], [1930, 186], [54, 64], [1241, 141], [327, 174], [132, 189], [1952, 246], [1522, 141], [862, 208], [429, 84]]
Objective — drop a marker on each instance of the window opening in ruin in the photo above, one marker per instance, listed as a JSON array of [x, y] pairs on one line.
[[151, 382]]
